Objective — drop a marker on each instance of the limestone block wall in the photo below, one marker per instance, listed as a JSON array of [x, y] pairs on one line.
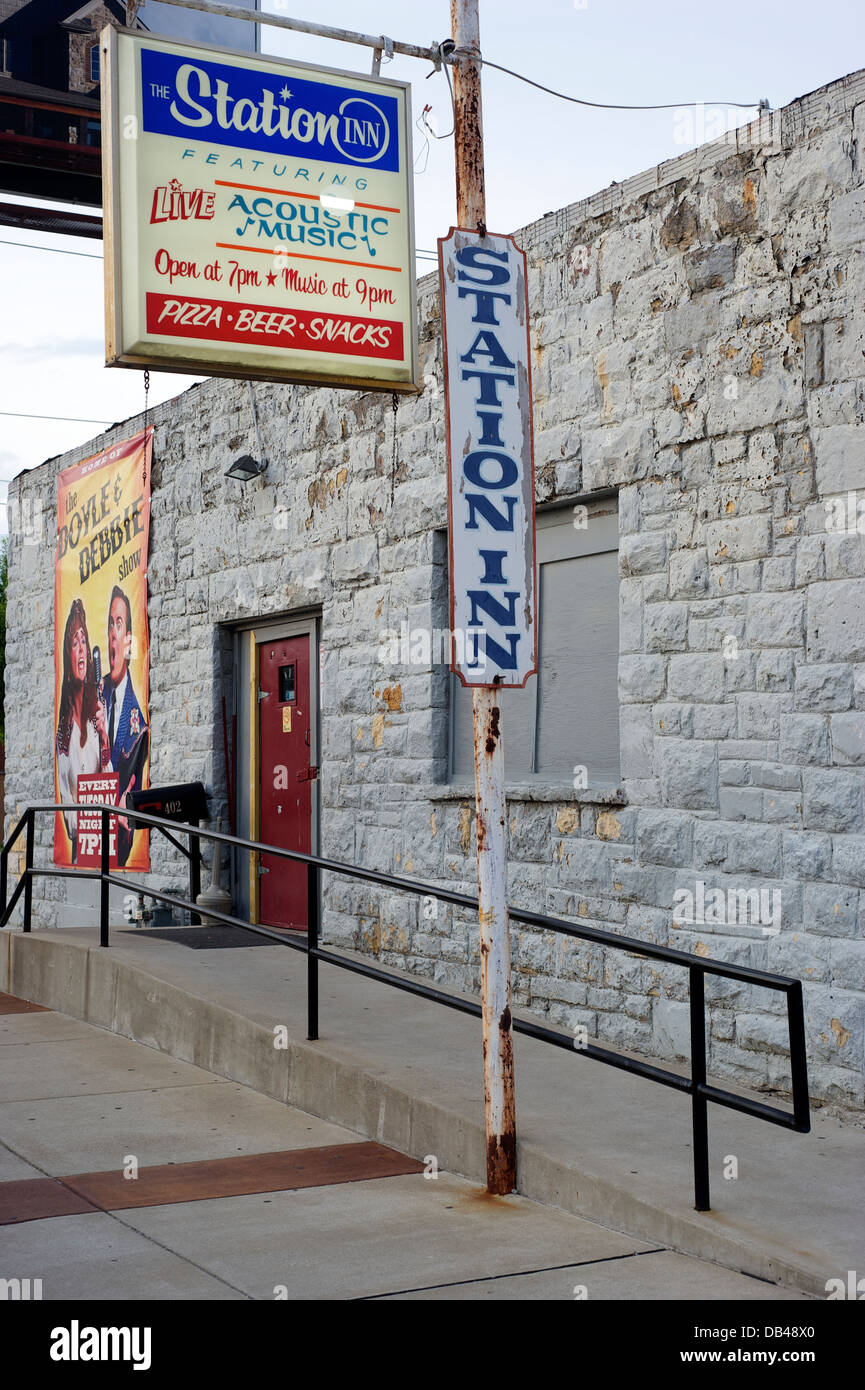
[[80, 44], [699, 351]]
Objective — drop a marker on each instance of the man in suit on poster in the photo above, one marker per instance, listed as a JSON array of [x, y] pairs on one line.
[[127, 732]]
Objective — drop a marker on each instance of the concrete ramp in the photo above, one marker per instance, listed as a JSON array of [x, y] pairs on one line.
[[591, 1140]]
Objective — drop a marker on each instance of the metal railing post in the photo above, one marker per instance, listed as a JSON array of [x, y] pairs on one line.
[[4, 882], [104, 886], [195, 873], [699, 1116], [312, 897], [798, 1058], [28, 865]]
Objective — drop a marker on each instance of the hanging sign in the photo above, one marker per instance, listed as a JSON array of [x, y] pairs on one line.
[[258, 217], [102, 652], [491, 491]]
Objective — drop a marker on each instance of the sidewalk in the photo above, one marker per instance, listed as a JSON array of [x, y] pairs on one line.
[[241, 1197], [598, 1143]]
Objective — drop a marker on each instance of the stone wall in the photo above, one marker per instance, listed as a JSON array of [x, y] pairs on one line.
[[698, 337], [80, 44]]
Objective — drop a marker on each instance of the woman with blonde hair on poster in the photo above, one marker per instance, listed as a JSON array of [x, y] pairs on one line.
[[82, 738]]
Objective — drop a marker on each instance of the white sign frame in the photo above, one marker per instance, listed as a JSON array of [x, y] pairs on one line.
[[489, 422], [128, 280]]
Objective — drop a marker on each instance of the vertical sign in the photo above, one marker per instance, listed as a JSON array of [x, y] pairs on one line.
[[491, 493], [258, 217], [102, 650]]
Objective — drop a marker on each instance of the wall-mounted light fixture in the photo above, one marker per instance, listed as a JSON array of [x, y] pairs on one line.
[[245, 468]]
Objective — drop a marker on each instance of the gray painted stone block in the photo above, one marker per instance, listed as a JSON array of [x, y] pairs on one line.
[[836, 621], [689, 773], [804, 739], [833, 800], [848, 738]]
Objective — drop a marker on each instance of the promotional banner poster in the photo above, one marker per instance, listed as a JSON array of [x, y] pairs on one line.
[[102, 652], [258, 216]]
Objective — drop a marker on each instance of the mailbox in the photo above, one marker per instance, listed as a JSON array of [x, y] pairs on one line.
[[184, 801]]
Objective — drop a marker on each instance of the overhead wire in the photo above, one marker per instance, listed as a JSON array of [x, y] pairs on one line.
[[32, 246], [424, 126], [615, 106], [450, 132], [89, 255], [73, 419], [421, 126]]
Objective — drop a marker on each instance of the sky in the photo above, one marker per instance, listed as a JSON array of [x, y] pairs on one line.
[[541, 154]]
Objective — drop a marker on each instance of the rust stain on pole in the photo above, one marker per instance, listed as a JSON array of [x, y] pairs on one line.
[[502, 1148], [469, 149], [468, 113]]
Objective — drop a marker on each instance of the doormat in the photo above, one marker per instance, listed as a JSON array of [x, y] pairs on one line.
[[216, 938]]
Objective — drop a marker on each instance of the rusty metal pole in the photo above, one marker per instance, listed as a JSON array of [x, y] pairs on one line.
[[491, 823]]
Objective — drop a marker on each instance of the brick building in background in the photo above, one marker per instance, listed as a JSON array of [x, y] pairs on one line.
[[689, 766]]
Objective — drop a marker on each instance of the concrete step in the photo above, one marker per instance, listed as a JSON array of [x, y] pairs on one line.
[[596, 1142]]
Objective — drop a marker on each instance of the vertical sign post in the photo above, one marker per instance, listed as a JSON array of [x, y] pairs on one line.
[[491, 533]]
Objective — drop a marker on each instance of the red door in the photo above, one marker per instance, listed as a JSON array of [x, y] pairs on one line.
[[285, 797]]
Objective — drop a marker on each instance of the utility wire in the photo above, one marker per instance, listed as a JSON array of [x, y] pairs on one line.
[[453, 107], [61, 250], [420, 125], [615, 106], [88, 255], [74, 419]]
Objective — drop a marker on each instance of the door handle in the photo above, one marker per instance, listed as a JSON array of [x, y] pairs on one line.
[[307, 774]]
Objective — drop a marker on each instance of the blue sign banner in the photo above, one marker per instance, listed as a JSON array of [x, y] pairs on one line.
[[249, 108]]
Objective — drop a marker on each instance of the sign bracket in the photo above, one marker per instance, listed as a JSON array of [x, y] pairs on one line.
[[428, 52]]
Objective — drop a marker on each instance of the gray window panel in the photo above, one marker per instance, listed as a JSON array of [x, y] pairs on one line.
[[578, 720], [568, 714], [557, 538]]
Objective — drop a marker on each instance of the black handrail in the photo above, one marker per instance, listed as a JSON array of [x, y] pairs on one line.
[[697, 1086]]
